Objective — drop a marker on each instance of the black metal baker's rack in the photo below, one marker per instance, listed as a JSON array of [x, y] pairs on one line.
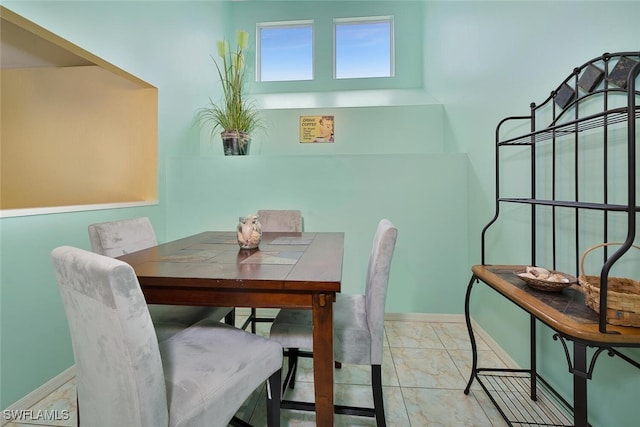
[[601, 97], [576, 90]]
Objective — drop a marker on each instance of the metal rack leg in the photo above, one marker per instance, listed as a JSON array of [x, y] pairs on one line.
[[533, 359], [580, 376], [474, 349]]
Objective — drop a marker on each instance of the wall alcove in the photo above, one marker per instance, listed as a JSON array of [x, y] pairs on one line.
[[77, 132]]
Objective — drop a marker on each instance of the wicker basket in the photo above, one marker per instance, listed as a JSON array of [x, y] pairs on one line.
[[547, 285], [623, 295]]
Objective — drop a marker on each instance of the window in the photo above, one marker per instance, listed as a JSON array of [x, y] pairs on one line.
[[363, 47], [285, 51]]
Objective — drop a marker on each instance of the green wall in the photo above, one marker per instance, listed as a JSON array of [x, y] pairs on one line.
[[164, 43], [489, 60], [419, 153], [350, 193]]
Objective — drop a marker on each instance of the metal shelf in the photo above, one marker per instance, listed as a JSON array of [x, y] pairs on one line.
[[570, 204], [618, 115], [509, 390]]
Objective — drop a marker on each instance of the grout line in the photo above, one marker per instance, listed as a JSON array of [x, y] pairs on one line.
[[395, 370]]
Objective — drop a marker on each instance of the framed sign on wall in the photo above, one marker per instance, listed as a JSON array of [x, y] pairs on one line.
[[316, 129]]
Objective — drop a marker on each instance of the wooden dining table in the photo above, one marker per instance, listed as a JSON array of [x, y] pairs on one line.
[[287, 270]]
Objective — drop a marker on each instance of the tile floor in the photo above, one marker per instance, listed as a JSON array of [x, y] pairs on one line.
[[425, 369]]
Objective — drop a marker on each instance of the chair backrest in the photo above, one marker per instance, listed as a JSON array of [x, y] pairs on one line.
[[384, 243], [118, 366], [280, 220], [117, 238]]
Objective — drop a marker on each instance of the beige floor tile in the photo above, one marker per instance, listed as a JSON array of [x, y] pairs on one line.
[[57, 409], [426, 368], [437, 407], [412, 335], [486, 358], [455, 336], [12, 424]]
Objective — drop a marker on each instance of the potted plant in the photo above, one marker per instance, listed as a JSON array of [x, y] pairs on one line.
[[236, 116]]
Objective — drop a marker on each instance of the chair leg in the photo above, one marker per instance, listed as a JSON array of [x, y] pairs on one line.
[[237, 422], [254, 315], [230, 318], [290, 377], [251, 320], [293, 366], [273, 399], [378, 400]]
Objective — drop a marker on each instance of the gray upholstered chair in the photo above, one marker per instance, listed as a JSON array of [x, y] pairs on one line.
[[274, 221], [115, 238], [358, 327], [280, 220], [125, 376]]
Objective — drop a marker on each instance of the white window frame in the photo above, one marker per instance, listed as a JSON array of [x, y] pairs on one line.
[[368, 20], [283, 24]]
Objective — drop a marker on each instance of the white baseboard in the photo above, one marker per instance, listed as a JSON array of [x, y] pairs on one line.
[[41, 392], [425, 317]]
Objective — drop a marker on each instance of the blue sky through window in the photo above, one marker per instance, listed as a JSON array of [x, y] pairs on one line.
[[286, 53], [363, 49]]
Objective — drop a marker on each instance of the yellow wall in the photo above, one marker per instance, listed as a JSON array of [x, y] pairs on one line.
[[76, 135]]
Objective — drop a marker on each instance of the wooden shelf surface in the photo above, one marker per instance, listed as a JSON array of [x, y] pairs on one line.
[[563, 311]]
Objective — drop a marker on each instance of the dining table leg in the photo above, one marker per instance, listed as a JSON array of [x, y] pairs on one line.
[[323, 358]]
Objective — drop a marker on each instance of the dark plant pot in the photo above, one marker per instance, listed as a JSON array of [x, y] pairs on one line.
[[235, 143]]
